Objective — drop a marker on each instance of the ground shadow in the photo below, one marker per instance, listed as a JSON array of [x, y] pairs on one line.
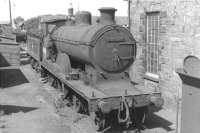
[[3, 61], [11, 77], [9, 109], [155, 121]]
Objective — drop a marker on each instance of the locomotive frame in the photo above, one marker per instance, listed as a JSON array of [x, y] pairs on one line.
[[87, 99]]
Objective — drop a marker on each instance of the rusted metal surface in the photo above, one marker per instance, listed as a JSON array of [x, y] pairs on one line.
[[112, 48], [190, 112], [108, 92], [98, 55], [108, 46], [105, 45]]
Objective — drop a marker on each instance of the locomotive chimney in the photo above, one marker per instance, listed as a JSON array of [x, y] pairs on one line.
[[107, 15]]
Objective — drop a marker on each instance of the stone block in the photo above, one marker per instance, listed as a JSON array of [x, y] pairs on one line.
[[163, 29], [163, 14], [179, 33]]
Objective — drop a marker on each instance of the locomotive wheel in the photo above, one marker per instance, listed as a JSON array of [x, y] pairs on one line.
[[50, 79], [44, 75], [98, 120], [32, 62], [64, 90], [139, 116], [59, 85], [100, 124], [54, 83], [36, 66], [76, 104]]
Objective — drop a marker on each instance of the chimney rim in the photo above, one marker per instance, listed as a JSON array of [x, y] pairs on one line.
[[107, 9]]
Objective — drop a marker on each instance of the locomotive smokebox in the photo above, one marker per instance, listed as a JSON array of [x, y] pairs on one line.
[[107, 15]]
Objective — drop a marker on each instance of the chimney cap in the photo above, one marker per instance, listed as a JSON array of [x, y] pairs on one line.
[[108, 9]]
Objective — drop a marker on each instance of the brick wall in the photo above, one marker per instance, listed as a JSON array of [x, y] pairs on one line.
[[179, 36]]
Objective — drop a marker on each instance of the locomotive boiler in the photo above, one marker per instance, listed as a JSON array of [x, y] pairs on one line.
[[103, 45], [89, 62]]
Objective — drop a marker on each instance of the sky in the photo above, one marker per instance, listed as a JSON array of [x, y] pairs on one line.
[[31, 8]]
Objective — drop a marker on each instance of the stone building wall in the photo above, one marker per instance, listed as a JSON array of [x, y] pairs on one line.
[[179, 36]]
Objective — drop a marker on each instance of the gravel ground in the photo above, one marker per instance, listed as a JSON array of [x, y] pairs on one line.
[[29, 107]]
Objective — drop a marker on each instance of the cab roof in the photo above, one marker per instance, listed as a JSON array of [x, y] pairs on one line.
[[53, 19]]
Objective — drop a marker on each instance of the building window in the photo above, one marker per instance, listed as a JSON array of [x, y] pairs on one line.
[[152, 33]]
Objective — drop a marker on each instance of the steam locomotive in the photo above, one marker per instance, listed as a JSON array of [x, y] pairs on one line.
[[90, 64]]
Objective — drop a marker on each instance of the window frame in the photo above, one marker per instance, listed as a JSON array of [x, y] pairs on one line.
[[152, 44]]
